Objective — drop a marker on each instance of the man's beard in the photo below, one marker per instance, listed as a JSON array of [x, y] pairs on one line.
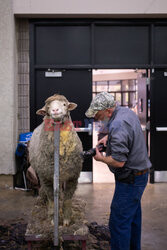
[[105, 121]]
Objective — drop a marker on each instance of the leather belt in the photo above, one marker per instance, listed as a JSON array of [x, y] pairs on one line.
[[141, 172]]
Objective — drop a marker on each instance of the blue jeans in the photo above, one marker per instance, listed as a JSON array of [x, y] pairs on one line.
[[125, 217]]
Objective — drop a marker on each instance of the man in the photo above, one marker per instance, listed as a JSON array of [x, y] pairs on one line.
[[126, 156]]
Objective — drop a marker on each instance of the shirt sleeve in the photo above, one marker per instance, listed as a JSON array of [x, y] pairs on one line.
[[120, 139]]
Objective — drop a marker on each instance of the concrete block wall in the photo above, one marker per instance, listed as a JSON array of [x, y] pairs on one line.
[[14, 82], [23, 76]]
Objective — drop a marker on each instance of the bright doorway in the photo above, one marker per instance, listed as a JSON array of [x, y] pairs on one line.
[[131, 89]]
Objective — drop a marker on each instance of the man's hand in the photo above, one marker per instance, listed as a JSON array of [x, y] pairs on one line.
[[108, 160], [99, 156], [103, 140]]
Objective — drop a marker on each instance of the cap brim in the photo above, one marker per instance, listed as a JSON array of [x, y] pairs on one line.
[[91, 113]]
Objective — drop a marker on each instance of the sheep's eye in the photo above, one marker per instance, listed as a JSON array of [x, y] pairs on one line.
[[64, 104]]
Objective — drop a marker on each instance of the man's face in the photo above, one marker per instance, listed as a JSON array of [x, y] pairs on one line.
[[102, 115]]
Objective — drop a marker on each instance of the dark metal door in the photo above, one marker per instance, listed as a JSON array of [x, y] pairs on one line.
[[57, 46], [76, 86], [159, 124]]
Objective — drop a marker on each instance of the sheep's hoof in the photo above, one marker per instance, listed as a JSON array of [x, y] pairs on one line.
[[66, 222]]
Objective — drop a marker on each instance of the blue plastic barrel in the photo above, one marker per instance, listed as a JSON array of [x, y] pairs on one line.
[[25, 137]]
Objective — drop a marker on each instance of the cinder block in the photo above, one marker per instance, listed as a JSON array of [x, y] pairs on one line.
[[23, 72], [24, 79]]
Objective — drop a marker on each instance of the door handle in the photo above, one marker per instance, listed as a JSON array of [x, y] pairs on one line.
[[143, 127], [146, 127], [159, 129], [85, 130]]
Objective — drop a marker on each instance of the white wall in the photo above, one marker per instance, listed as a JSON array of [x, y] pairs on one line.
[[87, 7], [8, 90]]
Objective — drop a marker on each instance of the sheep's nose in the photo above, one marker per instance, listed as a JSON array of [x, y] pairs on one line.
[[55, 110]]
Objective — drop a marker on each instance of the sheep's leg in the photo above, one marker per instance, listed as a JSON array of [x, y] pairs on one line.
[[43, 194], [46, 190], [67, 212], [71, 186], [46, 195]]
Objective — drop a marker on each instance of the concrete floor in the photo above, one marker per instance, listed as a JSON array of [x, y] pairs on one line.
[[16, 204], [154, 208]]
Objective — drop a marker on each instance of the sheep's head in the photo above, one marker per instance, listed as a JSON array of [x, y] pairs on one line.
[[57, 107]]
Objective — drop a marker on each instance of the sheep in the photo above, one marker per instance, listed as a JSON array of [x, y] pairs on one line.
[[41, 154]]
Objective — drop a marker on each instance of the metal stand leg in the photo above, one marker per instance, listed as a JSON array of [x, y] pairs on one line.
[[29, 245], [25, 182], [56, 183], [83, 244]]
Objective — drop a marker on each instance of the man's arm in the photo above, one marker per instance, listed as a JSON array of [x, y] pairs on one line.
[[108, 160]]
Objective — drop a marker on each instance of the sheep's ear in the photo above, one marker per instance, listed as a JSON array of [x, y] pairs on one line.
[[41, 111], [72, 106]]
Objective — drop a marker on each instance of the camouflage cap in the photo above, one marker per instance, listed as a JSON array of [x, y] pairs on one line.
[[101, 101]]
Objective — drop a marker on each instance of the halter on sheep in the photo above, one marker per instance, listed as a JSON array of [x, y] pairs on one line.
[[41, 151]]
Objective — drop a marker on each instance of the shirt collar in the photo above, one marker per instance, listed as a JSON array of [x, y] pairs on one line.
[[114, 113]]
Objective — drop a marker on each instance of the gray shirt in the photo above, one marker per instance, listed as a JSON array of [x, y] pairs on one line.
[[126, 141]]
